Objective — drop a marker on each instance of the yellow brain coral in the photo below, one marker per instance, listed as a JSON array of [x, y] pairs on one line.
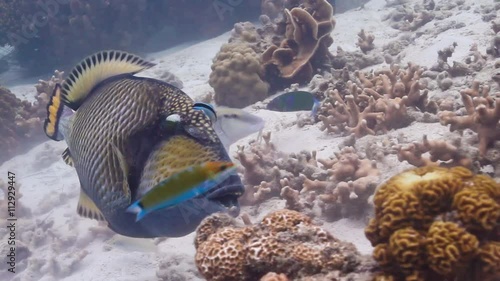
[[449, 247], [435, 223]]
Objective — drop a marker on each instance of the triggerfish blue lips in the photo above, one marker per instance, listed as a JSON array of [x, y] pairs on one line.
[[227, 192]]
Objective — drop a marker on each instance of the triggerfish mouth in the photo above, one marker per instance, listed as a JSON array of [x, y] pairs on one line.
[[113, 123]]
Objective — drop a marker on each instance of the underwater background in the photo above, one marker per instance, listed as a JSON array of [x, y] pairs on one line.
[[379, 158]]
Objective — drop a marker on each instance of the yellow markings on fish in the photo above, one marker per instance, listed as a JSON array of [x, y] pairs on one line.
[[185, 185], [54, 111], [88, 209], [96, 68]]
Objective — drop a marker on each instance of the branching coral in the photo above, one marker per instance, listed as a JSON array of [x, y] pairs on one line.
[[237, 76], [378, 102], [434, 223], [340, 186], [483, 116], [408, 19], [365, 41], [285, 242], [20, 124], [440, 152]]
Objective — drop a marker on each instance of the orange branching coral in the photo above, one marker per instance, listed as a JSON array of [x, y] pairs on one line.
[[435, 223], [286, 244], [307, 36], [341, 186], [441, 152], [377, 103], [483, 116]]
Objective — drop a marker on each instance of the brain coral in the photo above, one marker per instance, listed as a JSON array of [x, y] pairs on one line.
[[434, 223], [285, 242], [237, 76]]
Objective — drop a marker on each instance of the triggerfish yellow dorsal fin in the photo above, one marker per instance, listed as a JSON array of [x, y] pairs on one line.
[[55, 109], [96, 68], [124, 169], [88, 209], [66, 156]]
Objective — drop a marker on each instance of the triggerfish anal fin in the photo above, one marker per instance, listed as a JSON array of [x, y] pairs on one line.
[[95, 69], [293, 101], [66, 156], [88, 209], [180, 187], [55, 108]]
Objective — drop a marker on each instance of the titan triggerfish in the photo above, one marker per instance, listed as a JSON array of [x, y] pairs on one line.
[[112, 122]]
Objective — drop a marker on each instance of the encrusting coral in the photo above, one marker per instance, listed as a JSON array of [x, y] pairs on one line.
[[339, 186], [435, 223], [285, 245]]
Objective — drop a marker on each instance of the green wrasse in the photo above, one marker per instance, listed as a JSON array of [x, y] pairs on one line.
[[187, 184]]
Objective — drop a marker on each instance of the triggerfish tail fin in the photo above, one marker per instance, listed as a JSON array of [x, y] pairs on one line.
[[234, 124], [96, 68], [55, 111], [185, 185]]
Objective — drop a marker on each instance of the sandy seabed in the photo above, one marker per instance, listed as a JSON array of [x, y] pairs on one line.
[[71, 248]]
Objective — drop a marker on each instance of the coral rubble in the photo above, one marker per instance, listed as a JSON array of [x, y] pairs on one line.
[[435, 223], [285, 245]]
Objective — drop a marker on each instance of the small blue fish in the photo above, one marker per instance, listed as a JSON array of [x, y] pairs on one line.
[[295, 101], [180, 187]]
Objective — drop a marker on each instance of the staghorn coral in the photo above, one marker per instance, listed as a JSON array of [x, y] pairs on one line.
[[482, 117], [285, 243], [376, 102], [435, 223], [237, 76], [440, 152], [365, 41], [339, 186]]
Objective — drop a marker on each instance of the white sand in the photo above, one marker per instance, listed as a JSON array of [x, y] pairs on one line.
[[44, 176]]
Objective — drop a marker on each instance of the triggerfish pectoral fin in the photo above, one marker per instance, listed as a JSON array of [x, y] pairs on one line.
[[185, 185]]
